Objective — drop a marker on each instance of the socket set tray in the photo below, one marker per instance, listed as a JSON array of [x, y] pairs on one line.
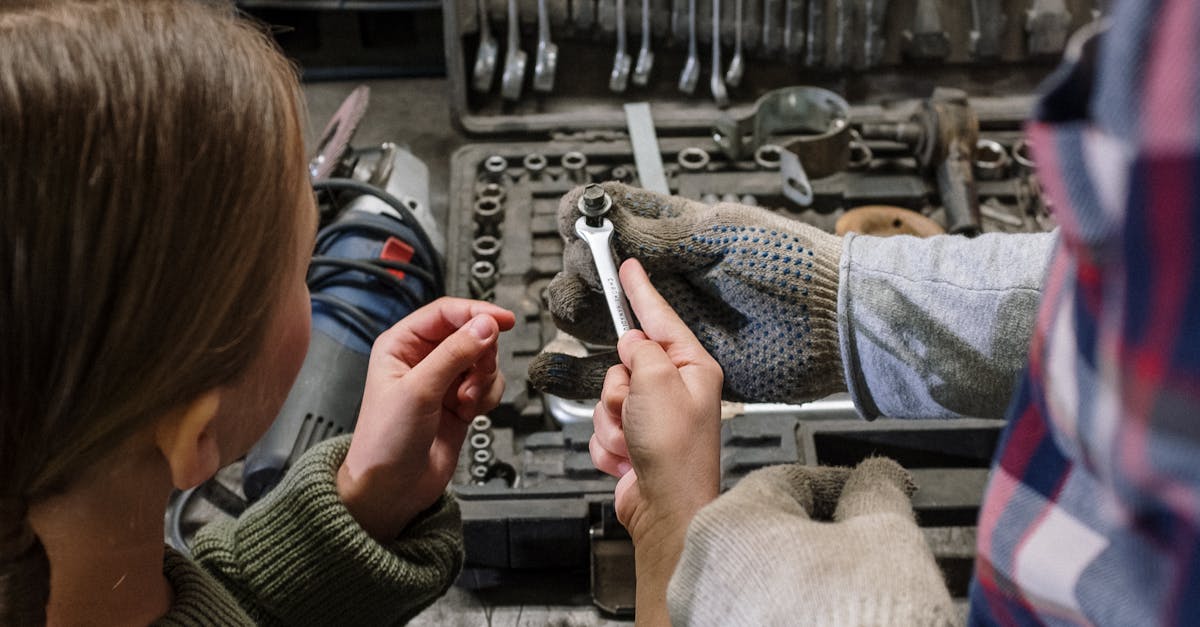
[[805, 107], [531, 498]]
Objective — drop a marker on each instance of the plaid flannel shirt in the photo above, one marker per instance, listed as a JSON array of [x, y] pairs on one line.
[[1092, 514]]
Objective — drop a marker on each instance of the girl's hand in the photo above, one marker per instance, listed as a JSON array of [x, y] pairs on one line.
[[428, 377], [658, 428]]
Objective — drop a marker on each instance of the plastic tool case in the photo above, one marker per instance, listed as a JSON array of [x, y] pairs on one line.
[[916, 104]]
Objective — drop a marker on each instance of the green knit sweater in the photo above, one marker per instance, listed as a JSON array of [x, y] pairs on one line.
[[297, 557]]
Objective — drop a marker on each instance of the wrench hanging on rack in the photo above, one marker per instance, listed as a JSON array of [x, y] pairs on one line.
[[514, 61], [734, 75], [843, 26], [485, 58], [619, 78], [645, 60], [546, 62], [927, 41], [770, 26], [874, 14], [716, 82], [793, 27], [816, 33], [1047, 23], [987, 25], [691, 68]]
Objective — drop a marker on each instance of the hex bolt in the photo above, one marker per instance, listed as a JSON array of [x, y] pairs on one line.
[[594, 204], [574, 163]]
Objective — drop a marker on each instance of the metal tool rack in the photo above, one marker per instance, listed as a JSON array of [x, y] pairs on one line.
[[531, 500]]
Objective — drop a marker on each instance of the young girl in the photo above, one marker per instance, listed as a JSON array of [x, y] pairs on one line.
[[155, 227]]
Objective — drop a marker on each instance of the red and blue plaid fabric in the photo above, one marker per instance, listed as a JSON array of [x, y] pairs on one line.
[[1092, 514]]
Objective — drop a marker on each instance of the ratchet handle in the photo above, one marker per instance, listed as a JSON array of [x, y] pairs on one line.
[[599, 240]]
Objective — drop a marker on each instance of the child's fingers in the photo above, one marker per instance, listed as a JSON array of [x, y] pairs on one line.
[[606, 461], [606, 418]]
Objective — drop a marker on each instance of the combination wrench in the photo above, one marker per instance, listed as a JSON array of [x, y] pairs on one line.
[[546, 62], [597, 231], [734, 75], [619, 78], [793, 29], [770, 27], [485, 58], [514, 61], [691, 68], [645, 60], [716, 82]]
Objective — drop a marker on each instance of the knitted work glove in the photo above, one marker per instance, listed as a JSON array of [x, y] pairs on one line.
[[759, 291], [760, 555]]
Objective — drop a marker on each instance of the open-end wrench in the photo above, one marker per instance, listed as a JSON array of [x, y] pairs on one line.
[[606, 15], [645, 59], [734, 75], [770, 26], [691, 68], [619, 78], [716, 82], [485, 58], [514, 61], [793, 27], [597, 231], [987, 24], [874, 14], [927, 41], [546, 62], [816, 33]]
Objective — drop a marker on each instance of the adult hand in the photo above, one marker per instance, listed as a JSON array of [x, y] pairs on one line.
[[657, 428], [428, 377]]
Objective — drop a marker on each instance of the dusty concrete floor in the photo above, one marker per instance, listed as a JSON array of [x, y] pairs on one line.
[[416, 113]]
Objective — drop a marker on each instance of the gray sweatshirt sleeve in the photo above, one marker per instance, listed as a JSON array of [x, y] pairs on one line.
[[938, 327]]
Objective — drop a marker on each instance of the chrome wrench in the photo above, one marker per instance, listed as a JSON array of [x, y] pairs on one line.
[[691, 68], [485, 58], [619, 78], [546, 62], [514, 62], [734, 75], [645, 60], [597, 231], [716, 82]]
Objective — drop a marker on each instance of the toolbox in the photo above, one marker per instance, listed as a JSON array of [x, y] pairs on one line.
[[815, 107]]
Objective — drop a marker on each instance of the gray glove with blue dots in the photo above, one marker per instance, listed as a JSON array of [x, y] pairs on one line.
[[758, 289]]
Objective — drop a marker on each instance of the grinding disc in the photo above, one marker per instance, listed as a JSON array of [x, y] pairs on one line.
[[335, 139], [884, 220]]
